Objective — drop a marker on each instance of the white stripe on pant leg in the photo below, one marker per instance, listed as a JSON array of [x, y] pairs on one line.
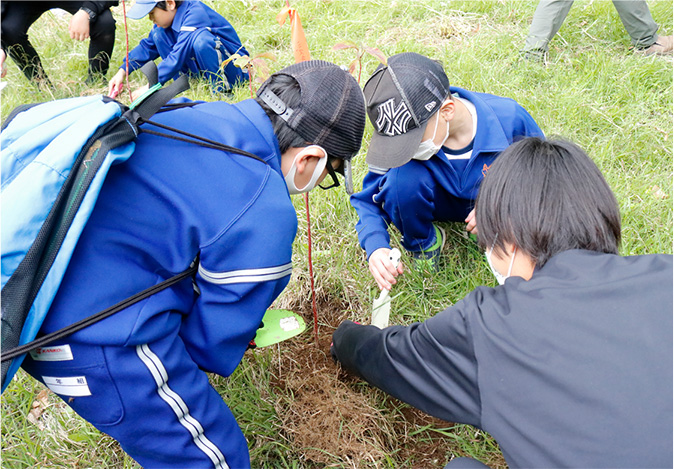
[[155, 366], [221, 59]]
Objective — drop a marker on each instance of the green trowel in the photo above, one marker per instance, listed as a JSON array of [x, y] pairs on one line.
[[278, 325]]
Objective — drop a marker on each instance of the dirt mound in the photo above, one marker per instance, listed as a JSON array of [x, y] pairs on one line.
[[333, 416]]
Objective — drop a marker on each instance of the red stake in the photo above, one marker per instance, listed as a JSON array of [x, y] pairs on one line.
[[126, 36], [311, 269], [301, 50]]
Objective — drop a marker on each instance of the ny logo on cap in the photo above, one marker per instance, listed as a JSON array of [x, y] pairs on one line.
[[392, 121]]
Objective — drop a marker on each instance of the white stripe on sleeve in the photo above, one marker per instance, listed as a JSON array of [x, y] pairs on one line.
[[246, 275]]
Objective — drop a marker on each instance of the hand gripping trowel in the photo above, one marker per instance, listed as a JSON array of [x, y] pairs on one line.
[[381, 308]]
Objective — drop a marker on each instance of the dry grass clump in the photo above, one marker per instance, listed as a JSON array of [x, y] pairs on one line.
[[328, 415]]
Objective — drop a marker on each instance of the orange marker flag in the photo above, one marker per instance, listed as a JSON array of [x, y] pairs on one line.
[[297, 37]]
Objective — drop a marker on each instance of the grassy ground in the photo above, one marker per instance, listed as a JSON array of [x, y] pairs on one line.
[[592, 90]]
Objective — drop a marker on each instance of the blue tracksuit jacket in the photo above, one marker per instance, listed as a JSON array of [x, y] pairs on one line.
[[169, 202], [415, 194], [175, 44]]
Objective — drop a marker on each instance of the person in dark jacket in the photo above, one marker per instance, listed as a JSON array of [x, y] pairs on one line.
[[190, 38], [567, 363], [90, 20]]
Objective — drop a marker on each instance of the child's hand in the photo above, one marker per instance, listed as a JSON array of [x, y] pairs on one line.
[[136, 94], [79, 26], [382, 269], [116, 85], [471, 224], [3, 56]]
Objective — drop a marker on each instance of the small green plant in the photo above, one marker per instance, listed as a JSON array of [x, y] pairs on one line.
[[256, 66]]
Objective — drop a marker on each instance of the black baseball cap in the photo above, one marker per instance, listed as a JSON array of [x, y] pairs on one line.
[[401, 96], [331, 112]]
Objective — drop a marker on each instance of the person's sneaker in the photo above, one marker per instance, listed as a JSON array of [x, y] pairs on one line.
[[662, 46], [429, 259], [535, 55]]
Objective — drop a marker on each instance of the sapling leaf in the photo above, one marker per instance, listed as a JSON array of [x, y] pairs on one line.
[[376, 53], [266, 55], [344, 45], [232, 57], [242, 62]]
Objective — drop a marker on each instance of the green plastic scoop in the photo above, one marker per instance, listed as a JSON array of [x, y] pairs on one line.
[[279, 325]]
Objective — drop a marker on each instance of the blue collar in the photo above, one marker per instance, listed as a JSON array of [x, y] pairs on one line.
[[252, 111], [490, 136], [180, 16]]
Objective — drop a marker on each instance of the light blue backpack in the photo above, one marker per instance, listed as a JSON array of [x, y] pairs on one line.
[[54, 159]]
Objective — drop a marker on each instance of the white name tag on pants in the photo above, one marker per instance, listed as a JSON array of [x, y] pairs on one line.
[[55, 353], [68, 386]]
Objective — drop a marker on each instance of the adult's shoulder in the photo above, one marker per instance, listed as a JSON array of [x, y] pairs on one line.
[[612, 264]]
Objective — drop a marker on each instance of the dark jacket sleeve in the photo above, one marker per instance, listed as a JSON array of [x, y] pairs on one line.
[[430, 365], [99, 7]]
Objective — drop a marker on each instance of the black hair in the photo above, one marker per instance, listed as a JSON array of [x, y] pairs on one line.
[[546, 197], [162, 5], [288, 89]]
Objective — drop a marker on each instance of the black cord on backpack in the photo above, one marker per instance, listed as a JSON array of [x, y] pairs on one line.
[[72, 328], [195, 139]]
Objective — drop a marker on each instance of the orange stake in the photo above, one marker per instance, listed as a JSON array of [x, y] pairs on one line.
[[297, 37]]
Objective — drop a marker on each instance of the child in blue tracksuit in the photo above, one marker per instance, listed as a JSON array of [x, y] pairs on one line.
[[140, 375], [430, 149], [190, 37]]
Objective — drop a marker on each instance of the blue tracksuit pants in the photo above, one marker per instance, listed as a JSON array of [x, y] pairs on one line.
[[208, 53], [152, 398], [413, 198]]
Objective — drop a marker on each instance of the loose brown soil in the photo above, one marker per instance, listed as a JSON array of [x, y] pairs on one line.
[[335, 417]]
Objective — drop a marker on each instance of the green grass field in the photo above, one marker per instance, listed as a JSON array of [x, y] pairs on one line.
[[592, 90]]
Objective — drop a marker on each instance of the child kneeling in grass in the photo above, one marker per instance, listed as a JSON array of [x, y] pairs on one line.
[[190, 37], [431, 147]]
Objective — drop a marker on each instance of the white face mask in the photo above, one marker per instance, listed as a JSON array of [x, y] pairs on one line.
[[500, 278], [318, 170], [428, 148]]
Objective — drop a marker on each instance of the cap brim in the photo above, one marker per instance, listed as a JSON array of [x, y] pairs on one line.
[[390, 152], [140, 10]]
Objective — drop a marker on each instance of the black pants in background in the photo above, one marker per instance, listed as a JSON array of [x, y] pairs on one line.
[[17, 17]]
